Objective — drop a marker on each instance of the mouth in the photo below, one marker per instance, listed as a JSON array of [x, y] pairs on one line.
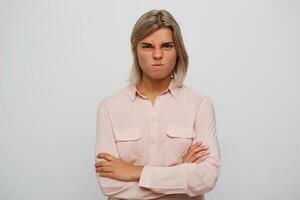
[[157, 65]]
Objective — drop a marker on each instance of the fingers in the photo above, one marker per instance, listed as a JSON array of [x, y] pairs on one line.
[[106, 156], [104, 169], [199, 155], [188, 154], [193, 146], [194, 149], [201, 159], [103, 164], [199, 148], [107, 174]]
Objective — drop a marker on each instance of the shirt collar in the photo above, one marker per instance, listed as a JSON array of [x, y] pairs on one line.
[[172, 88]]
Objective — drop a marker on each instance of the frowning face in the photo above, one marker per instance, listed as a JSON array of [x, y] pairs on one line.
[[157, 54]]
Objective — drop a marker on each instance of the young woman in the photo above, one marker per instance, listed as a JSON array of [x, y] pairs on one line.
[[156, 138]]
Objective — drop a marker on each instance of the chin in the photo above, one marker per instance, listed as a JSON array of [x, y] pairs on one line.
[[159, 77]]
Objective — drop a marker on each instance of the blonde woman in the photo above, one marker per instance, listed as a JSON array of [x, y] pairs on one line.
[[156, 138]]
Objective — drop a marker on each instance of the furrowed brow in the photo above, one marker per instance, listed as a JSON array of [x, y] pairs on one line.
[[168, 42], [145, 43]]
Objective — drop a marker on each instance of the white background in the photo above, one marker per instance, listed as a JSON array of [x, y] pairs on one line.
[[59, 58]]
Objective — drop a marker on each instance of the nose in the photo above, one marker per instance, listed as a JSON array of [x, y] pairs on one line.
[[157, 54]]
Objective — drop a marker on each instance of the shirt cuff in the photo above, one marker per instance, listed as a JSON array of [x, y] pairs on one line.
[[145, 177], [163, 179]]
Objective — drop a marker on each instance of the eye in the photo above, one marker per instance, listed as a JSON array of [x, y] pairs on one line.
[[146, 46], [167, 46]]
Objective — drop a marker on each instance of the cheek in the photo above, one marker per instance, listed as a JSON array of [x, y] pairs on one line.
[[142, 57], [171, 57]]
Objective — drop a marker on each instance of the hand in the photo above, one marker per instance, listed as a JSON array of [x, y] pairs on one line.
[[196, 153], [117, 169]]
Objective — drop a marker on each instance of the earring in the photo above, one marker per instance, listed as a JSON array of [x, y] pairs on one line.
[[172, 74]]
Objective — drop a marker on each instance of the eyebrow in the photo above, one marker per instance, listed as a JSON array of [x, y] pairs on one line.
[[146, 43]]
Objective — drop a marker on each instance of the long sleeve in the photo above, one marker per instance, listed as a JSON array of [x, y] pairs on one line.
[[193, 179], [105, 143]]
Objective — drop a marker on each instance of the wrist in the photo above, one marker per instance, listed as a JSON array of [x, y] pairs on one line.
[[137, 172]]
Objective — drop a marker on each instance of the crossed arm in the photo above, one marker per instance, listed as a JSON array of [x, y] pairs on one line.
[[196, 175], [115, 168]]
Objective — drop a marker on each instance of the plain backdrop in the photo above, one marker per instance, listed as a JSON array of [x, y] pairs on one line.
[[59, 58]]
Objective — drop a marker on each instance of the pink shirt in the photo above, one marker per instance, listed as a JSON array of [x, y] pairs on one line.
[[157, 136]]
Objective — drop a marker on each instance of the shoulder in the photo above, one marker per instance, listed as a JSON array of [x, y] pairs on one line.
[[203, 102], [195, 94], [114, 99]]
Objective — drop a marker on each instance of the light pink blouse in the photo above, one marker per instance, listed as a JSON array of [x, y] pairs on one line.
[[157, 136]]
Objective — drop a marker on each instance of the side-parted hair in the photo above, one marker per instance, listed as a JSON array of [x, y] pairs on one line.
[[149, 23]]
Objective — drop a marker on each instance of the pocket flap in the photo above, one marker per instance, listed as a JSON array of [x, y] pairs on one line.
[[125, 134], [180, 131]]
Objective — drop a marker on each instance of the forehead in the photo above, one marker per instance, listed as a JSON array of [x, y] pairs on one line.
[[161, 35]]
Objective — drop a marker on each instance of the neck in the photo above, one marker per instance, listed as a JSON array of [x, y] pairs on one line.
[[153, 87]]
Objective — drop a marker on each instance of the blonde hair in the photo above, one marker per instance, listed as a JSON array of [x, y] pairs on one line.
[[147, 24]]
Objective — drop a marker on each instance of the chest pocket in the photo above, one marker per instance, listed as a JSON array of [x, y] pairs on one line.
[[128, 141], [178, 140]]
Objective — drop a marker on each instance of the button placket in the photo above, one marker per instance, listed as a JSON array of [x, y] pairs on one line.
[[153, 129]]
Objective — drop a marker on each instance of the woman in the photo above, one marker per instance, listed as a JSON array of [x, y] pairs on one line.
[[156, 138]]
